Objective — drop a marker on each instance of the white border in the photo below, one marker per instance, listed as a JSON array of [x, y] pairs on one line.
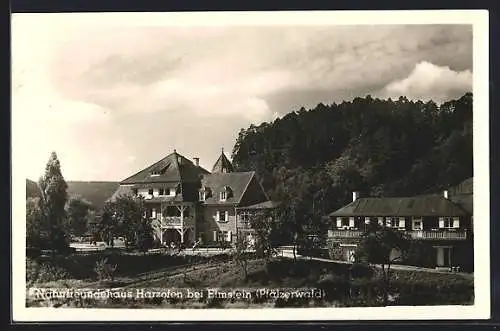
[[481, 308]]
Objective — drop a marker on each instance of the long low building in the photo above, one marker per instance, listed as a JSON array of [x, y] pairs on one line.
[[442, 222]]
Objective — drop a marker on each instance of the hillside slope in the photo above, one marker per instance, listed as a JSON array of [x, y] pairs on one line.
[[95, 192], [316, 158]]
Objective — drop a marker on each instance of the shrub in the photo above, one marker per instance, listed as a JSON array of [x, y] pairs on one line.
[[104, 270], [38, 272], [361, 271]]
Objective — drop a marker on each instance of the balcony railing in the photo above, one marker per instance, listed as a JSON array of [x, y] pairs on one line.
[[345, 234], [439, 235], [176, 221], [243, 224], [427, 235]]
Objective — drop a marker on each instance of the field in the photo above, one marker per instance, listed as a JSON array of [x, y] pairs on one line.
[[324, 284]]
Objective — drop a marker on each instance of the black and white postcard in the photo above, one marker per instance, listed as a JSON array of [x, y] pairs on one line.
[[250, 166]]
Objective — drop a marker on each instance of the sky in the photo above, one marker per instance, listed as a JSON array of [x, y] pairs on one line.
[[112, 99]]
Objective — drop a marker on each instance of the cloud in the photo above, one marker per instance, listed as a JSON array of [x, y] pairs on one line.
[[118, 91], [428, 81]]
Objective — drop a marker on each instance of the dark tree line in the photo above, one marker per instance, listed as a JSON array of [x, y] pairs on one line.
[[313, 159]]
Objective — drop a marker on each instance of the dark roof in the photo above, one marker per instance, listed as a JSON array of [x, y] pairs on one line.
[[172, 168], [263, 205], [236, 181], [429, 205], [222, 165], [122, 190], [465, 201]]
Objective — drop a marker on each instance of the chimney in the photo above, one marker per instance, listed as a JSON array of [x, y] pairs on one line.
[[355, 196], [445, 194], [196, 161]]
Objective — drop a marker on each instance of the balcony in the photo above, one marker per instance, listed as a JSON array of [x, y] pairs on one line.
[[422, 235], [243, 224], [170, 222], [344, 233], [439, 235]]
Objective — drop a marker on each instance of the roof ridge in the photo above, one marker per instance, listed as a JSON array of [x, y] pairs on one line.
[[143, 169], [246, 186]]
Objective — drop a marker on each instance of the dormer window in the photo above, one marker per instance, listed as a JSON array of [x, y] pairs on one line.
[[225, 193], [204, 193]]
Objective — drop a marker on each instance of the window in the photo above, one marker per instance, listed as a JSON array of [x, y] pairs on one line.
[[388, 222], [345, 222], [351, 222], [201, 195], [150, 191], [135, 191], [223, 196], [449, 222], [417, 224], [380, 221], [161, 191], [402, 223], [222, 216], [244, 218], [222, 236]]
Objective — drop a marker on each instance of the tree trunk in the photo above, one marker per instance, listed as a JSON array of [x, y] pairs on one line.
[[294, 251]]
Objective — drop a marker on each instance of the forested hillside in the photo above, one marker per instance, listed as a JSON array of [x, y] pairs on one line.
[[315, 158], [94, 192]]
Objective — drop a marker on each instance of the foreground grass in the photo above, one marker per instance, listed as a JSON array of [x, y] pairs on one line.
[[338, 284]]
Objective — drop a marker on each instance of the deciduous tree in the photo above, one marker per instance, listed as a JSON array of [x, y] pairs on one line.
[[383, 246]]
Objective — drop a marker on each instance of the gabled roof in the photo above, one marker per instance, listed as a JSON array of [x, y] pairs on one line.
[[428, 205], [222, 165], [465, 201], [236, 181], [122, 190], [263, 205], [172, 168]]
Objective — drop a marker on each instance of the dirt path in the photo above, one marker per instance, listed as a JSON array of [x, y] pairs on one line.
[[289, 254]]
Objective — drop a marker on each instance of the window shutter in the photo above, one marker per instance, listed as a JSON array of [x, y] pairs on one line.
[[456, 222], [351, 222], [339, 222], [229, 236], [217, 216], [226, 216], [441, 222], [215, 235]]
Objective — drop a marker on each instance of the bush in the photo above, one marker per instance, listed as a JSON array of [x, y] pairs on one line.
[[38, 272], [105, 270], [361, 271]]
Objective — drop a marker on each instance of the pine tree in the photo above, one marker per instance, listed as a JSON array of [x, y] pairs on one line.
[[53, 199]]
